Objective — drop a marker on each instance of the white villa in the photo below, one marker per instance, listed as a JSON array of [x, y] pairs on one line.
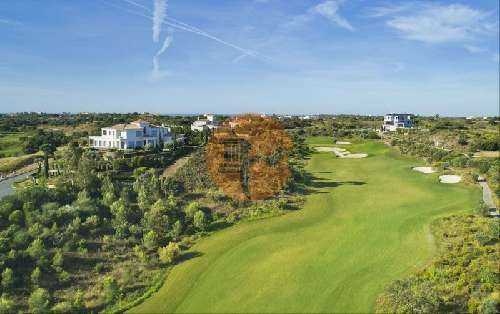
[[393, 121], [209, 123], [136, 134]]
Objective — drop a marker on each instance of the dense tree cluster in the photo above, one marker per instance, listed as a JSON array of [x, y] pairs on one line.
[[42, 228], [43, 140], [343, 126], [489, 143], [31, 120]]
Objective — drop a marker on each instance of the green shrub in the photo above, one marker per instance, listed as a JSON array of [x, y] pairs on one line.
[[489, 143], [62, 308], [199, 220], [150, 240], [99, 267], [8, 280], [169, 253], [6, 305], [111, 291], [39, 301], [36, 277]]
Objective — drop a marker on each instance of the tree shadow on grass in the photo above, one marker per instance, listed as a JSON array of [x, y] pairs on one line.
[[187, 256], [219, 225], [313, 184], [334, 184]]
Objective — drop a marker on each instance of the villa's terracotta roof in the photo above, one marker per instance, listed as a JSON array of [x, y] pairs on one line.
[[124, 126], [132, 125]]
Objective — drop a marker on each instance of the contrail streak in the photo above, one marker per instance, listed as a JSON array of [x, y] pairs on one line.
[[192, 29], [157, 74], [166, 44], [137, 4], [159, 14]]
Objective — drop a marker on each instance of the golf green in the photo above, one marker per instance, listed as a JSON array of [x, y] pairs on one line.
[[365, 223]]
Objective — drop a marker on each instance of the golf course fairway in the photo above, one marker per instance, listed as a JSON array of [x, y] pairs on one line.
[[365, 223]]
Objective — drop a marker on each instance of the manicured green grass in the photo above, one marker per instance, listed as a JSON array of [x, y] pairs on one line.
[[364, 224]]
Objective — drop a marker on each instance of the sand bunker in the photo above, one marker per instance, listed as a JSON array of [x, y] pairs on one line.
[[355, 156], [340, 152], [325, 149], [343, 143], [450, 179], [424, 169]]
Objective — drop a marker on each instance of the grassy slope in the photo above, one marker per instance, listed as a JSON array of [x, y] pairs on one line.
[[10, 144], [10, 164], [365, 224]]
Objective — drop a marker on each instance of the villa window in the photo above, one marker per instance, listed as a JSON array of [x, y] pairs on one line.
[[103, 132], [138, 133]]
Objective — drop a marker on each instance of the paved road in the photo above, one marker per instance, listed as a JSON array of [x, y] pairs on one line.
[[6, 185]]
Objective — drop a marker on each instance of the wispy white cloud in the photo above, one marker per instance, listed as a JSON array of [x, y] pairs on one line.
[[159, 14], [436, 23], [392, 9], [474, 49], [329, 9]]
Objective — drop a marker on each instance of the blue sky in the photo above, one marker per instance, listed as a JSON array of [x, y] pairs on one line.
[[233, 56]]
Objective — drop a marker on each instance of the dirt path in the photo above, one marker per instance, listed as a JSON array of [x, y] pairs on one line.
[[170, 170], [487, 198]]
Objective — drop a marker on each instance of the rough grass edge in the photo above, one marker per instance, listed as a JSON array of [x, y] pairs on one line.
[[153, 289]]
